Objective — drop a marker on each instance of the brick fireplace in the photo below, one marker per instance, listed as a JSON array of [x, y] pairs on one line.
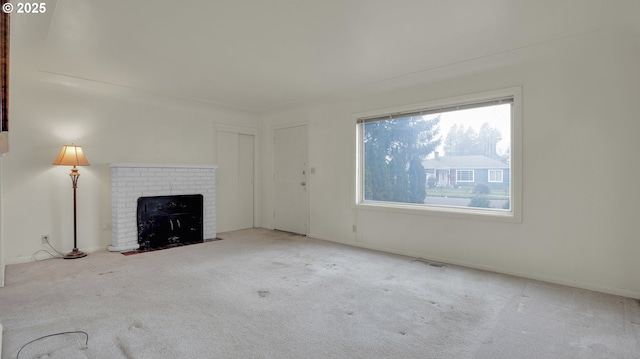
[[130, 181]]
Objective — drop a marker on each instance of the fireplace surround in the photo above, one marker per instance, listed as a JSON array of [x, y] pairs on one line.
[[130, 181]]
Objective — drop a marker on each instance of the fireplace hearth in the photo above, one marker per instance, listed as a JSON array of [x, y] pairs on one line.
[[168, 221]]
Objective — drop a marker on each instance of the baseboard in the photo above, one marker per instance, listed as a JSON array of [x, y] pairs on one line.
[[628, 293], [18, 260]]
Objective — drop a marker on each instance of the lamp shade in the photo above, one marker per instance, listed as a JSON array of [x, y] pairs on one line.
[[71, 155]]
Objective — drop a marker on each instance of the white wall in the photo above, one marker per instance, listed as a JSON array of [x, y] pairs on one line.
[[580, 155], [113, 125]]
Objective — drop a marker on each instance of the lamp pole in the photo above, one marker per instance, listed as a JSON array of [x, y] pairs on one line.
[[75, 253]]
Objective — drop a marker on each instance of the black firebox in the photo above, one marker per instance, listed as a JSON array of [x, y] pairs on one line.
[[168, 221]]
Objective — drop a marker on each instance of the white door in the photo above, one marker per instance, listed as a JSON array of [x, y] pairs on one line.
[[245, 181], [290, 177], [235, 181]]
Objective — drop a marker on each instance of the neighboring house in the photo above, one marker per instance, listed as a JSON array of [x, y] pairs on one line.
[[466, 171]]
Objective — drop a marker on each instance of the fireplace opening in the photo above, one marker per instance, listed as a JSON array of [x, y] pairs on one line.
[[169, 221]]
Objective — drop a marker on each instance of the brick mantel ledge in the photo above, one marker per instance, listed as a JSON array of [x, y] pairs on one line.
[[161, 165]]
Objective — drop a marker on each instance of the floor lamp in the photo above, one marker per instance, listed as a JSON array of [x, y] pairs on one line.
[[72, 155]]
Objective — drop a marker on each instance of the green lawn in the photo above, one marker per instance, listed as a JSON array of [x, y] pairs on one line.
[[465, 192]]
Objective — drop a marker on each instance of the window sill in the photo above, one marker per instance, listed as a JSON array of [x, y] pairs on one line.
[[442, 211]]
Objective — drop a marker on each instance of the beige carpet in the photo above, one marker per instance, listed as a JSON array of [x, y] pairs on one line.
[[265, 294]]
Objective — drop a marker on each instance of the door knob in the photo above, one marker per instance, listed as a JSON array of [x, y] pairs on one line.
[[303, 183]]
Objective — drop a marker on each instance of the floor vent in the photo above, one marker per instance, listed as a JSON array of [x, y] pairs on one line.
[[431, 264]]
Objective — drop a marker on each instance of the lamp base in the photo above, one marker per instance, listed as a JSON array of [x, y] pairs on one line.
[[75, 254]]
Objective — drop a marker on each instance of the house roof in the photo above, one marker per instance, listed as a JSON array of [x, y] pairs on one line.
[[475, 161]]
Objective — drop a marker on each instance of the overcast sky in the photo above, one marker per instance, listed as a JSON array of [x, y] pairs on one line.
[[497, 117]]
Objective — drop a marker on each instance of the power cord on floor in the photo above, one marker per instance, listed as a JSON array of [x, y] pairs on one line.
[[46, 251], [33, 256], [86, 343]]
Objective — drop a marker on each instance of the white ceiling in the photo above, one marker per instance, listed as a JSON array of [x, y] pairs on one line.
[[258, 54]]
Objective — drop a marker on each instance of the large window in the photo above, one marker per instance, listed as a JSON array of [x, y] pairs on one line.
[[456, 157]]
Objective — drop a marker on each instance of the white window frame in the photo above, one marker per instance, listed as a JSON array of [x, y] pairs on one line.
[[458, 172], [501, 172], [514, 214]]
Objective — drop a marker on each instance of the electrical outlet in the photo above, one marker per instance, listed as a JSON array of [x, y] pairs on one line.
[[45, 238]]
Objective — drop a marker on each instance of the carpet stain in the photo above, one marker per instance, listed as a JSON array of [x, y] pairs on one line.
[[136, 325], [263, 293], [430, 264], [124, 349]]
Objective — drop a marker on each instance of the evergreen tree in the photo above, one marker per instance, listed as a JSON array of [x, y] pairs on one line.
[[466, 142], [469, 143], [488, 138], [417, 181], [389, 148], [452, 142]]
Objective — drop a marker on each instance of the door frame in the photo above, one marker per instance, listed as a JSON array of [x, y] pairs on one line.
[[307, 177], [256, 160]]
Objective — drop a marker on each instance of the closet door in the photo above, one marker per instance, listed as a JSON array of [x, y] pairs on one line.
[[235, 181], [245, 181]]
